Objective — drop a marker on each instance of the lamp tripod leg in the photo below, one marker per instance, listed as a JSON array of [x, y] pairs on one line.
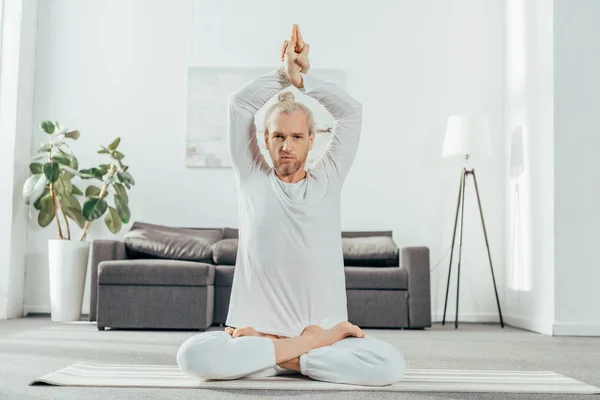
[[488, 249], [460, 185], [462, 215]]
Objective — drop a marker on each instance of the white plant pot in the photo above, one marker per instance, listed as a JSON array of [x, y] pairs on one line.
[[67, 262]]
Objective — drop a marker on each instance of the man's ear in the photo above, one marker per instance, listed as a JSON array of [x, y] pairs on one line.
[[311, 140], [267, 139]]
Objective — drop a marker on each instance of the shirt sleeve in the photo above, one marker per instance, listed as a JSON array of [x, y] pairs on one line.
[[241, 130], [347, 115]]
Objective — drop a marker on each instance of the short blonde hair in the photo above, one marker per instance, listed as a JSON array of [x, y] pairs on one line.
[[287, 104]]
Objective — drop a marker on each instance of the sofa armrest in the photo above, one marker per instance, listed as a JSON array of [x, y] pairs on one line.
[[416, 261], [102, 250]]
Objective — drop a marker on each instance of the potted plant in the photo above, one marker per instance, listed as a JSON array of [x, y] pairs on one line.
[[51, 191]]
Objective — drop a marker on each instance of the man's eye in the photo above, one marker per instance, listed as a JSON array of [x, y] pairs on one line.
[[298, 137]]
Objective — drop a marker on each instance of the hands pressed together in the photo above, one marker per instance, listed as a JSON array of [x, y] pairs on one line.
[[294, 55]]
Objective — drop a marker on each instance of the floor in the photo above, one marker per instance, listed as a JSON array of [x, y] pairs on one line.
[[34, 346]]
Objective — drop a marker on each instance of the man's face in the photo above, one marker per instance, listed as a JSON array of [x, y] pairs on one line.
[[288, 141]]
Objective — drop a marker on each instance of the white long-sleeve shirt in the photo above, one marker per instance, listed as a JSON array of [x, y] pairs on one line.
[[289, 271]]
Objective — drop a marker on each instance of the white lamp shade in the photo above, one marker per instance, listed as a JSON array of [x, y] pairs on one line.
[[467, 136]]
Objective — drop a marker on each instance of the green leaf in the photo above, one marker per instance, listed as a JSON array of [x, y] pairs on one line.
[[38, 202], [71, 202], [68, 171], [102, 170], [92, 191], [64, 186], [36, 168], [91, 173], [73, 210], [33, 188], [128, 178], [77, 191], [73, 163], [51, 170], [45, 147], [64, 148], [121, 192], [122, 209], [62, 160], [93, 208], [47, 126], [46, 214], [73, 135], [104, 151], [59, 128], [76, 216], [117, 155], [114, 144], [65, 174], [113, 221]]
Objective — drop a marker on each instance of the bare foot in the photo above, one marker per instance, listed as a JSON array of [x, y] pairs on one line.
[[338, 332], [247, 331]]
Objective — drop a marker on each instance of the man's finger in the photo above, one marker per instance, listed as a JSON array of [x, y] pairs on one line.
[[292, 43], [304, 63], [284, 49], [305, 50], [300, 44]]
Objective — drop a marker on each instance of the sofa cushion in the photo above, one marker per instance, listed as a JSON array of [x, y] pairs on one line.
[[230, 233], [371, 251], [394, 278], [225, 251], [224, 275], [156, 272], [158, 241], [376, 278]]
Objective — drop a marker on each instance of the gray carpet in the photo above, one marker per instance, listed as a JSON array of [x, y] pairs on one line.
[[32, 347]]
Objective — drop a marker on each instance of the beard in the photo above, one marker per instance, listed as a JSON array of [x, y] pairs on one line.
[[288, 168]]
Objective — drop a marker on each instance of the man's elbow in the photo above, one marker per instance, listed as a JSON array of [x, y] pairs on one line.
[[233, 99], [358, 108]]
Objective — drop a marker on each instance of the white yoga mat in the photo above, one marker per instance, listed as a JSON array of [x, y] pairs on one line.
[[415, 380]]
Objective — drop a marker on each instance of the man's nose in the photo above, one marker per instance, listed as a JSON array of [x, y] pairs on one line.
[[287, 145]]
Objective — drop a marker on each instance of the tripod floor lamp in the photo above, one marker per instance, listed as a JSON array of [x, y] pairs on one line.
[[466, 137]]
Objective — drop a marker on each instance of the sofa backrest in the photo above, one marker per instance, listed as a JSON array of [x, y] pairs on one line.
[[353, 234], [219, 245]]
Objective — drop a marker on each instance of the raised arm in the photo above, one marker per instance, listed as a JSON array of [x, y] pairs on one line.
[[347, 115], [241, 129], [346, 111]]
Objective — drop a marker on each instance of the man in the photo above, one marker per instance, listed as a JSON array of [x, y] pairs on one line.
[[288, 311]]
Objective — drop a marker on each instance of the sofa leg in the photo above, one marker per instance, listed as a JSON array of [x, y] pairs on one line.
[[101, 328]]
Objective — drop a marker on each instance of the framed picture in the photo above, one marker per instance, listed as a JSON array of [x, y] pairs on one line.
[[208, 91]]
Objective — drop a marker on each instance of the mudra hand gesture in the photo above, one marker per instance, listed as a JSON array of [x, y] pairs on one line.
[[294, 54]]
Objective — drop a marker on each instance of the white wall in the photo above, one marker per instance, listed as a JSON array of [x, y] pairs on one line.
[[530, 194], [16, 107], [119, 68], [577, 167]]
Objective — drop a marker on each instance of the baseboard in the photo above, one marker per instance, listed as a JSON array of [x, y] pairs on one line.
[[32, 309], [529, 324], [467, 317], [575, 329]]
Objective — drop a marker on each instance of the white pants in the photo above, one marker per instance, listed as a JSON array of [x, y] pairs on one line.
[[358, 361]]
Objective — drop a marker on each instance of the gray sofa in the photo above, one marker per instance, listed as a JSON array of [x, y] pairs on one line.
[[161, 277]]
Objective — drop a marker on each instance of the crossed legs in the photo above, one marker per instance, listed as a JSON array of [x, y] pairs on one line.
[[350, 359]]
